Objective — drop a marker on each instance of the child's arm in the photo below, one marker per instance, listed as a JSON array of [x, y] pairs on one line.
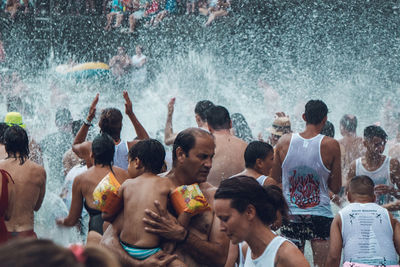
[[184, 219]]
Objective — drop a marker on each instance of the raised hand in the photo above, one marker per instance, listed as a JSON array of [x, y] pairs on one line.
[[171, 105], [92, 110], [128, 103]]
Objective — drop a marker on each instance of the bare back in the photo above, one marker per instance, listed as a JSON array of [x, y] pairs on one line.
[[228, 159], [351, 148], [30, 184], [138, 195]]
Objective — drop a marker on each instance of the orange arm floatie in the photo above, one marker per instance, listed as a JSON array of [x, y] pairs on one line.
[[189, 198]]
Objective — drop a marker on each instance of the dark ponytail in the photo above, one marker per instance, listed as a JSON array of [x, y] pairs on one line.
[[244, 191]]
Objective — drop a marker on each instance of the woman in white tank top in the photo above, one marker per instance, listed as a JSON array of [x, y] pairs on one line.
[[246, 209]]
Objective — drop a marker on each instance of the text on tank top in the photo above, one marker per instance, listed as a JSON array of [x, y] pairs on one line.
[[379, 176], [121, 155], [267, 259], [305, 177], [367, 234]]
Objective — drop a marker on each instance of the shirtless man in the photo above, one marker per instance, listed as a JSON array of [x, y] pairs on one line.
[[259, 157], [201, 243], [351, 145], [30, 183], [363, 217], [146, 159], [229, 149], [383, 170], [200, 113], [312, 162]]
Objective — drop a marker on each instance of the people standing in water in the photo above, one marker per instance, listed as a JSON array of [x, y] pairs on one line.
[[246, 210], [139, 65], [383, 170], [363, 219], [229, 151], [29, 187], [110, 123], [84, 184], [309, 160], [258, 158]]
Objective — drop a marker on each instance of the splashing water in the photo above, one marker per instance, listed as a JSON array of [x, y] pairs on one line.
[[344, 53]]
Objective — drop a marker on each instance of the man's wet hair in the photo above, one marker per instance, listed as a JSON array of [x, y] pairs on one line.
[[111, 122], [375, 131], [202, 107], [361, 185], [103, 148], [256, 150], [244, 191], [218, 118], [17, 143], [63, 117], [14, 104], [315, 111], [186, 140], [328, 130], [3, 127], [151, 153], [349, 123]]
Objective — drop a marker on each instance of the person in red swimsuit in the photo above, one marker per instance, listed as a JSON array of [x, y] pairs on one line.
[[6, 190]]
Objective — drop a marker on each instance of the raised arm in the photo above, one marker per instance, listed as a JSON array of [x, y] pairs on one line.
[[42, 185], [335, 178], [80, 147], [335, 244], [139, 129], [169, 136]]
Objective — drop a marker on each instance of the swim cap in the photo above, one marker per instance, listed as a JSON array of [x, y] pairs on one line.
[[14, 118]]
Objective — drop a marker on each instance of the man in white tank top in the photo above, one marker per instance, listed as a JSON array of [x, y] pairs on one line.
[[384, 171], [308, 166], [367, 233]]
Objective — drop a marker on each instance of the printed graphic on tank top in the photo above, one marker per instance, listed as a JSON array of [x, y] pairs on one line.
[[304, 178]]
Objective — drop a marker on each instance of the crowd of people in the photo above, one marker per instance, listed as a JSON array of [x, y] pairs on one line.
[[217, 197], [150, 12]]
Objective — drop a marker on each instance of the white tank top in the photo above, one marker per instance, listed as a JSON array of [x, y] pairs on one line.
[[367, 235], [305, 178], [379, 176], [121, 155], [267, 259], [261, 179]]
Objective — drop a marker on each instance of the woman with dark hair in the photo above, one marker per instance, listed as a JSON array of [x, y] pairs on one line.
[[3, 127], [83, 186], [110, 123], [246, 210], [241, 128]]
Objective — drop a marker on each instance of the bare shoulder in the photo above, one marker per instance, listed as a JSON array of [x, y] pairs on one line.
[[329, 141], [37, 170], [208, 189], [284, 141], [289, 255]]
